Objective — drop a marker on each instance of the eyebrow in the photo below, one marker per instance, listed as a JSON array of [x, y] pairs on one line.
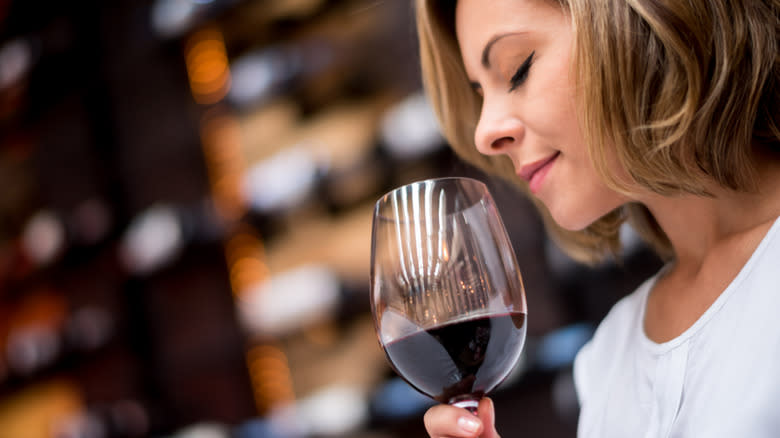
[[486, 54], [489, 45]]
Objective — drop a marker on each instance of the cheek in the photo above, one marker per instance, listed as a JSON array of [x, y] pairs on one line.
[[554, 99], [553, 112], [579, 197]]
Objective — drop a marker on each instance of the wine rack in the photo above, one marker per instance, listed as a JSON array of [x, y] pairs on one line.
[[187, 188]]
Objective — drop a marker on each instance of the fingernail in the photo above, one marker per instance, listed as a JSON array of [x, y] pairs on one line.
[[468, 424]]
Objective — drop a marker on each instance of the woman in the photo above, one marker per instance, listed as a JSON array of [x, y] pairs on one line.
[[663, 114]]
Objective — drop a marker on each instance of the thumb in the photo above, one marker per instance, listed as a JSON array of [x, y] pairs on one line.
[[487, 415]]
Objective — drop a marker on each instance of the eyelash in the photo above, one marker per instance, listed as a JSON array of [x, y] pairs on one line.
[[522, 73]]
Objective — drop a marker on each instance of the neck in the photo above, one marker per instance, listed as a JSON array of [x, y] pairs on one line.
[[696, 226]]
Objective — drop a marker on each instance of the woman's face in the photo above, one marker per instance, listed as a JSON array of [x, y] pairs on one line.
[[516, 54]]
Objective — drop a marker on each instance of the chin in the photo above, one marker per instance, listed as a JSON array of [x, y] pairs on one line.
[[573, 219], [578, 207]]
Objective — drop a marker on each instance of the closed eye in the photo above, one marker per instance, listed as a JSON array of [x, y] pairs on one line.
[[522, 73]]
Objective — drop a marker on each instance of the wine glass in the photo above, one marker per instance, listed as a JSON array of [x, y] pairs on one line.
[[446, 292]]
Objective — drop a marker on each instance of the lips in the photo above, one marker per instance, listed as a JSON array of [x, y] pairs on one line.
[[535, 172]]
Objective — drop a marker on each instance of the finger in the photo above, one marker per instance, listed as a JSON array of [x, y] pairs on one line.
[[487, 415], [445, 421]]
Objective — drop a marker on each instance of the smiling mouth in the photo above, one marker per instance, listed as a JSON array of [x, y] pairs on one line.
[[535, 172], [527, 172]]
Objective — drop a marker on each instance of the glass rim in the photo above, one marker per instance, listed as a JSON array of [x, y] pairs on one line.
[[383, 198]]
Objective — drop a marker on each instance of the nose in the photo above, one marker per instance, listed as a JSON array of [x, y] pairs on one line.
[[499, 129]]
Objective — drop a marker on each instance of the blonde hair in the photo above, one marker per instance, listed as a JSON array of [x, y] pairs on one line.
[[679, 93]]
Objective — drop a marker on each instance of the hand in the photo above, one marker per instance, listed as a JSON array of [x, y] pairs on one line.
[[445, 421]]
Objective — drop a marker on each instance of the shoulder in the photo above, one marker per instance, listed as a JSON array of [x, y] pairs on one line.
[[610, 340], [621, 318], [762, 267]]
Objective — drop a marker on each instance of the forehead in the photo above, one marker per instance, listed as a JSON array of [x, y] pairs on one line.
[[478, 21]]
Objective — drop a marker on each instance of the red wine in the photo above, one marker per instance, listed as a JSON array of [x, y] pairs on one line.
[[461, 360]]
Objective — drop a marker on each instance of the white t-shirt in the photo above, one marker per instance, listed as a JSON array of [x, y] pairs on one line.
[[720, 378]]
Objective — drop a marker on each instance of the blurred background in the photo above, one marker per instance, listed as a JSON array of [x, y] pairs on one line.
[[186, 190]]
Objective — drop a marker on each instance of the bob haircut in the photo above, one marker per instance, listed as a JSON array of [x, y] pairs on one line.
[[681, 93]]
